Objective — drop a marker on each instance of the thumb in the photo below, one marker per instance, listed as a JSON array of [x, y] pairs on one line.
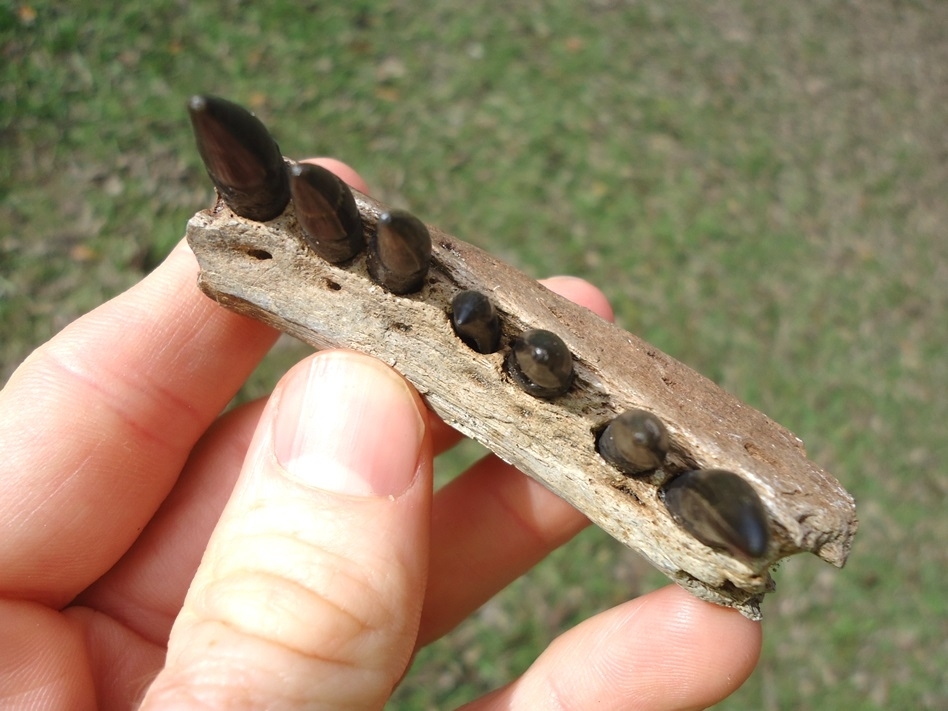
[[310, 591]]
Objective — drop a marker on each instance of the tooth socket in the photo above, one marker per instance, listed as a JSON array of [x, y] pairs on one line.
[[327, 213], [241, 158]]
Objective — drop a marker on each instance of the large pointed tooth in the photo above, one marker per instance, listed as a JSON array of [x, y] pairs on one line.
[[721, 510], [399, 252], [327, 212], [241, 157]]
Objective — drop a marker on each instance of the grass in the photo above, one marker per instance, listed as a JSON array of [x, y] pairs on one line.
[[758, 187]]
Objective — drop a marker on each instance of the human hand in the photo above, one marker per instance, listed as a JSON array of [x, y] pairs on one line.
[[289, 553]]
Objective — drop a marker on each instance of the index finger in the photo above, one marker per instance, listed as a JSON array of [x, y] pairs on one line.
[[97, 423]]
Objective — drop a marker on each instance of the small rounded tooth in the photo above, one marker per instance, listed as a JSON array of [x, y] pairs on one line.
[[634, 442], [475, 321], [540, 363]]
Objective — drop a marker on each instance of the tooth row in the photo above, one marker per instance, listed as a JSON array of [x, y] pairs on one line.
[[252, 177], [244, 162]]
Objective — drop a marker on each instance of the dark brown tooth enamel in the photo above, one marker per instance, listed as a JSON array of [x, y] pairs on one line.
[[540, 363], [721, 510], [634, 442], [241, 157], [327, 212], [399, 252], [475, 321]]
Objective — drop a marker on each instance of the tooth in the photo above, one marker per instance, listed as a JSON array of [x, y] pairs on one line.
[[721, 510], [327, 212], [399, 252], [241, 157], [635, 442], [540, 363], [475, 321]]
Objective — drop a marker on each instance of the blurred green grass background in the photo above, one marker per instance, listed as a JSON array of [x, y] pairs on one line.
[[758, 187]]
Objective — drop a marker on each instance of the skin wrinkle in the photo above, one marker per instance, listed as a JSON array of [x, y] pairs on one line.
[[124, 599], [561, 688], [629, 621], [341, 571], [194, 322], [127, 603], [59, 359], [21, 516], [217, 673], [151, 621], [123, 411], [682, 679], [191, 364], [96, 628], [37, 696], [220, 588], [63, 350], [555, 697]]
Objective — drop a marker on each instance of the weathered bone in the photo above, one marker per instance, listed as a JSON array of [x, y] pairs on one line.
[[266, 271]]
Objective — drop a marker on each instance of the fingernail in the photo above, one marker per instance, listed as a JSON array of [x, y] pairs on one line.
[[348, 424]]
